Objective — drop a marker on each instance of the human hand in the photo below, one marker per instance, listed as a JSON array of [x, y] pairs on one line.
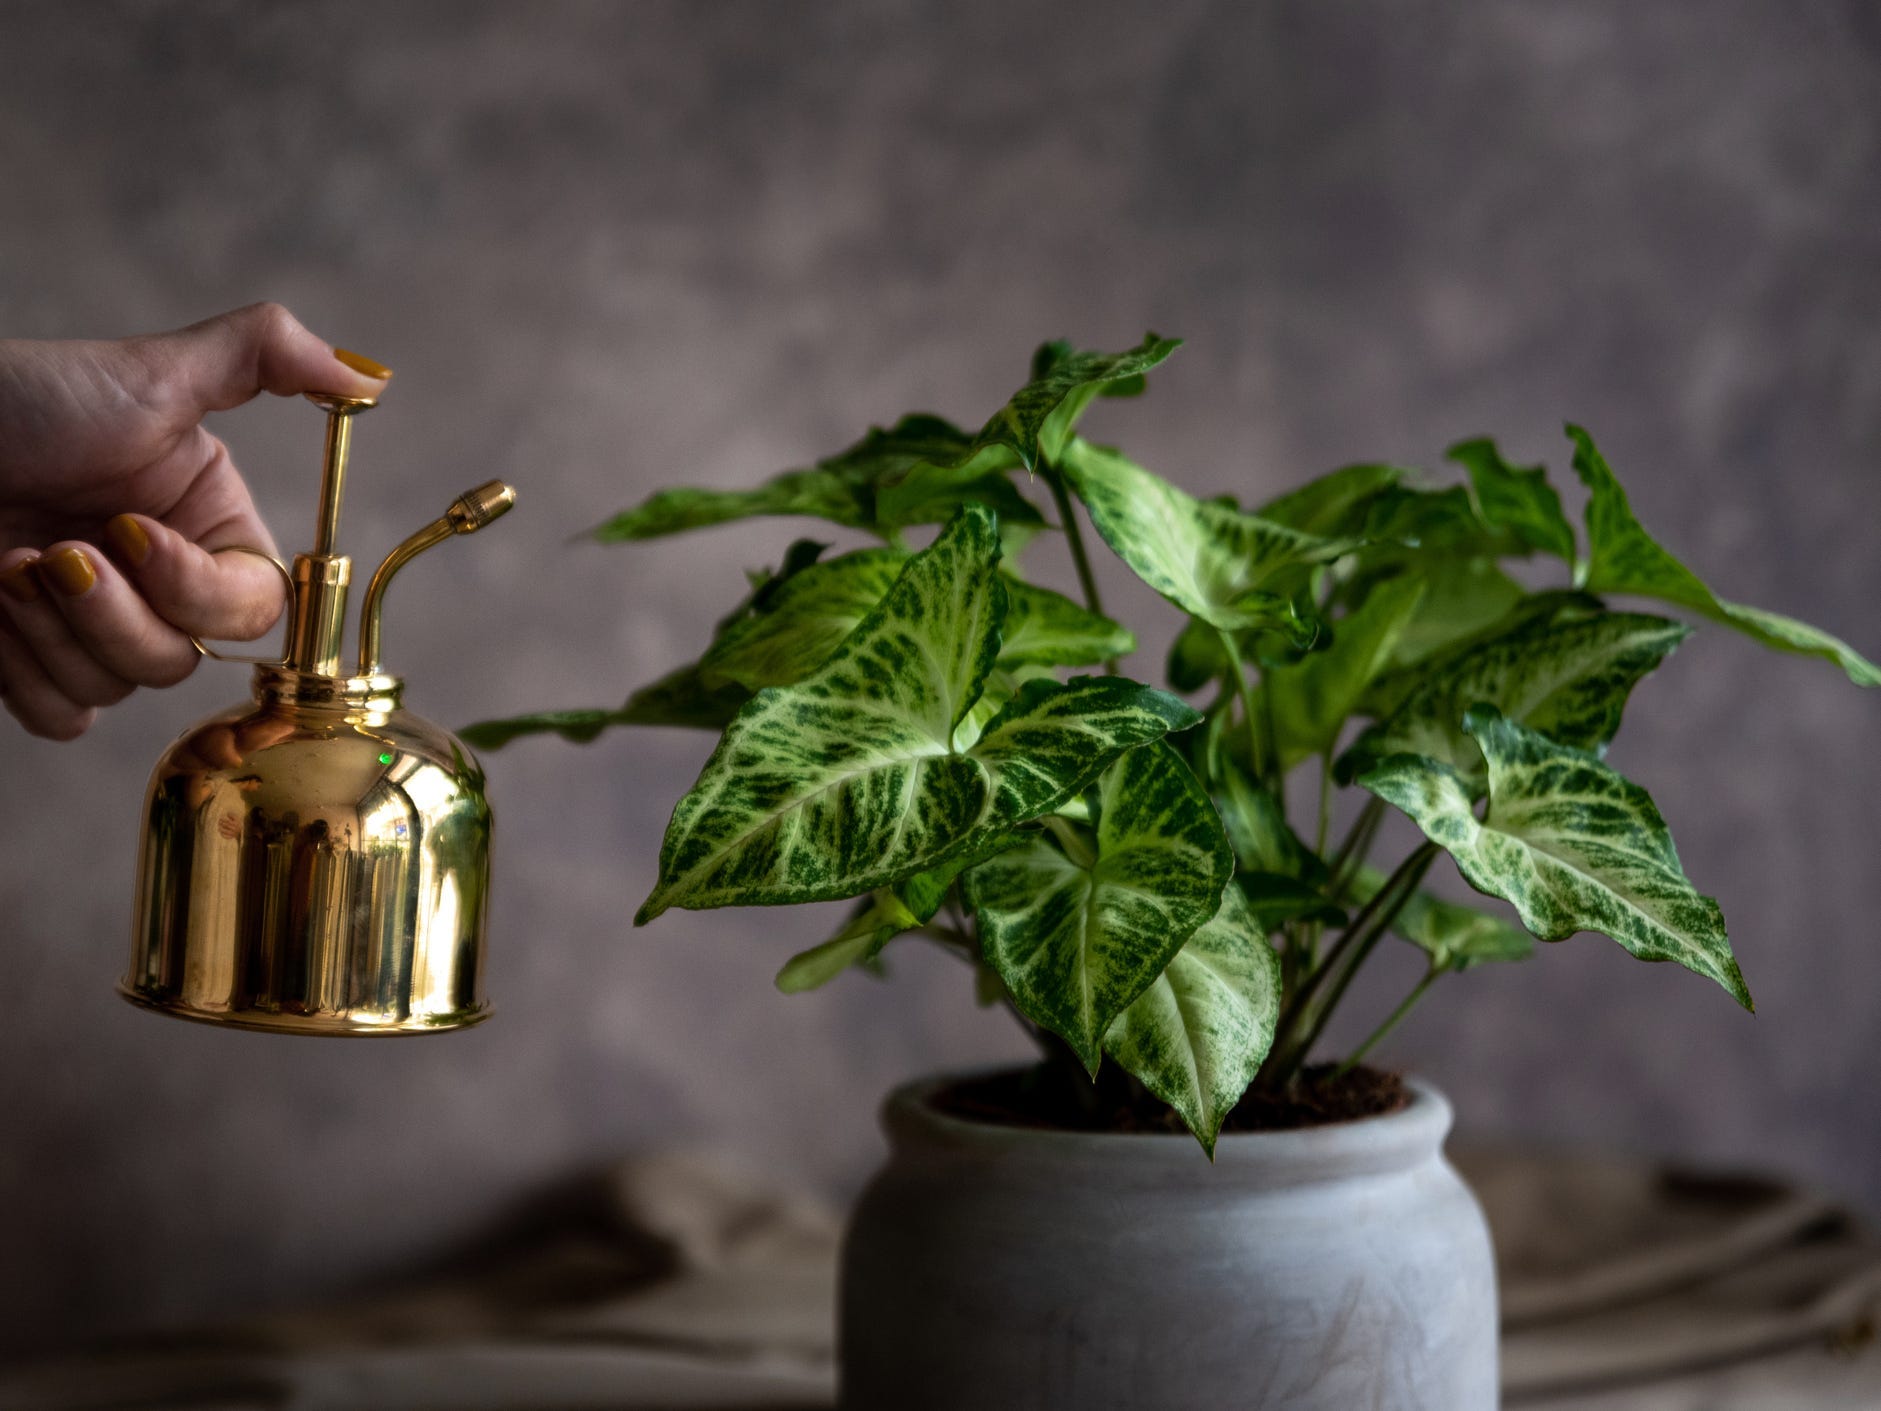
[[102, 443]]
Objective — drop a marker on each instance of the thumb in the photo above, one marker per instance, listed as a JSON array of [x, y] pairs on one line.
[[224, 361]]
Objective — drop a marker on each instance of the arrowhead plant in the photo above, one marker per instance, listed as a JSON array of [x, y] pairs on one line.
[[912, 725]]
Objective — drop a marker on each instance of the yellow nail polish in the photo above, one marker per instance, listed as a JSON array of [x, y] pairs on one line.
[[18, 582], [363, 365], [127, 539], [70, 572]]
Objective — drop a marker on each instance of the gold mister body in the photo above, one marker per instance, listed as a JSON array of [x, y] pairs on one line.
[[317, 860]]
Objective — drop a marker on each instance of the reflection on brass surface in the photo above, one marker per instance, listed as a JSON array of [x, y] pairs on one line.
[[316, 862]]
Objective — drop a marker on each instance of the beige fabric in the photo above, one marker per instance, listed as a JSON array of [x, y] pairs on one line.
[[677, 1282], [1621, 1275]]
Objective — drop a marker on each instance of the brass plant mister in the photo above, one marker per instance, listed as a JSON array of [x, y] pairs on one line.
[[317, 860]]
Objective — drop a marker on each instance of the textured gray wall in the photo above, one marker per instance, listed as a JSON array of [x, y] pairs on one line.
[[608, 247]]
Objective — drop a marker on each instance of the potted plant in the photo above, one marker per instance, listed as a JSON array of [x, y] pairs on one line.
[[909, 728]]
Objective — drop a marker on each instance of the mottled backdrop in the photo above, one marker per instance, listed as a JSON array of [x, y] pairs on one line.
[[608, 247]]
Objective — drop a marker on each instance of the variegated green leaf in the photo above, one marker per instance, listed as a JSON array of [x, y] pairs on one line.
[[1787, 634], [684, 697], [877, 920], [1050, 741], [1334, 505], [1463, 596], [929, 491], [1312, 699], [1257, 827], [847, 780], [1516, 499], [847, 488], [1338, 505], [1039, 417], [1455, 937], [1444, 519], [801, 623], [1623, 558], [923, 893], [1196, 657], [1001, 686], [1077, 935], [1390, 690], [804, 620], [816, 494], [857, 776], [1571, 844], [1196, 1037], [579, 726], [765, 582], [1437, 537], [1213, 562], [1044, 628], [1273, 899], [1569, 680]]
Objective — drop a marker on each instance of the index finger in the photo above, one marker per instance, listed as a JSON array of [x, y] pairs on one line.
[[234, 593]]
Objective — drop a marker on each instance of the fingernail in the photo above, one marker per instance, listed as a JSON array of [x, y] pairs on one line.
[[362, 364], [126, 538], [18, 582], [70, 571]]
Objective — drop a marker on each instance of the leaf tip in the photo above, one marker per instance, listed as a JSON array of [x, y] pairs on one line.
[[1182, 716], [1733, 982], [1479, 718], [1353, 764]]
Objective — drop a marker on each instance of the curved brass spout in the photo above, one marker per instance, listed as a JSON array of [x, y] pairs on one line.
[[468, 513]]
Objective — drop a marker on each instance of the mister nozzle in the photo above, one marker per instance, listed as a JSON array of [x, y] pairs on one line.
[[468, 513]]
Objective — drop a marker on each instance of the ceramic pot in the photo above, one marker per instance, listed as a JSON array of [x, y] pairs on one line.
[[1327, 1269]]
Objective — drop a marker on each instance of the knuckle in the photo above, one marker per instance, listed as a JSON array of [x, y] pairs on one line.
[[262, 311], [271, 320]]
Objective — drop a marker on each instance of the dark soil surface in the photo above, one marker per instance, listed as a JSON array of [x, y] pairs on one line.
[[1046, 1097]]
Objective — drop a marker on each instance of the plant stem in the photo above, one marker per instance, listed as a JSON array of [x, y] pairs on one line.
[[1358, 843], [1399, 888], [1391, 1022], [1276, 782], [1296, 1002], [1325, 803], [1074, 537], [1290, 1048], [1066, 836], [1243, 689], [1213, 725]]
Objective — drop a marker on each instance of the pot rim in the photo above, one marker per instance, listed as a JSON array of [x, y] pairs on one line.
[[1389, 1142]]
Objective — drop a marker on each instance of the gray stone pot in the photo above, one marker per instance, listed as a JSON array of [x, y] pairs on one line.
[[1330, 1269]]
